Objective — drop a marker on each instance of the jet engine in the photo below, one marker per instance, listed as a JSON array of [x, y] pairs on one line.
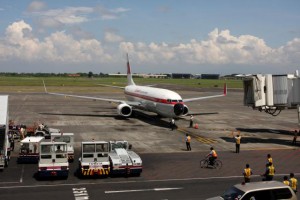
[[185, 110], [124, 110]]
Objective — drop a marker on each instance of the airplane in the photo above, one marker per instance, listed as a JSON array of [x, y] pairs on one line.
[[163, 102]]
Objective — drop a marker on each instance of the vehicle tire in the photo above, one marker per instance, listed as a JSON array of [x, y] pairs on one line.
[[5, 163], [204, 163], [218, 164]]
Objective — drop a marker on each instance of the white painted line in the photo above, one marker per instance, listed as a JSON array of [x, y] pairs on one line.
[[133, 181], [22, 173], [141, 190]]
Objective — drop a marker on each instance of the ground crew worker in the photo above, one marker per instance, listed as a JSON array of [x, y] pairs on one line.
[[295, 137], [270, 171], [237, 143], [212, 156], [191, 121], [293, 182], [270, 159], [286, 181], [172, 124], [247, 173], [188, 142]]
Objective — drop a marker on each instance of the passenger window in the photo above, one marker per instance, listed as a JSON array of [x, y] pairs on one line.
[[46, 156], [88, 155], [283, 193], [258, 195]]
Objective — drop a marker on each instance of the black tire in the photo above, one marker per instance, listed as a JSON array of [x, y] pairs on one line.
[[204, 163], [218, 164]]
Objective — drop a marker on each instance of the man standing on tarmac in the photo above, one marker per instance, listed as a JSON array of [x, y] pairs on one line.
[[293, 182], [270, 171], [247, 173], [188, 142], [237, 143], [191, 121]]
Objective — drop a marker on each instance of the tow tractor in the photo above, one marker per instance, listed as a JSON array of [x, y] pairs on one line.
[[29, 150], [67, 138], [53, 160], [94, 159], [123, 161]]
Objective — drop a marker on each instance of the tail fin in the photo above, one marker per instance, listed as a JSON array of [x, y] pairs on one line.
[[129, 75]]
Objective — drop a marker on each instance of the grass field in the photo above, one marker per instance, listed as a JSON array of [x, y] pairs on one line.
[[35, 83]]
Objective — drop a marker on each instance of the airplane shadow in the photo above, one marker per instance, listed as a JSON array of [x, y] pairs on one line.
[[152, 119], [117, 117], [246, 140], [261, 131], [265, 130]]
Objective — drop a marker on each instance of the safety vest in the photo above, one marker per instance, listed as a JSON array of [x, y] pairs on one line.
[[247, 172], [294, 183], [214, 153], [271, 170], [270, 160], [286, 183], [238, 140], [188, 138]]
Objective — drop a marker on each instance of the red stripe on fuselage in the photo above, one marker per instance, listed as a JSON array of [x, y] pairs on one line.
[[149, 98]]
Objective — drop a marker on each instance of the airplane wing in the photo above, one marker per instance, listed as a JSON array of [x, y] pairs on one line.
[[131, 103], [113, 86], [207, 97]]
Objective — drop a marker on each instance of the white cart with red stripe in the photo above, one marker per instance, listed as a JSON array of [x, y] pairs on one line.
[[53, 160]]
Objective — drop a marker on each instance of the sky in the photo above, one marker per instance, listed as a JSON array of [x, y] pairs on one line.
[[160, 36]]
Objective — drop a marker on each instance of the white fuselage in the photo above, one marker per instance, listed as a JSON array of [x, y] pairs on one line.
[[160, 101]]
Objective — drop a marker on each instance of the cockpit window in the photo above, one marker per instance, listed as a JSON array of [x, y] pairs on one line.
[[168, 100], [174, 100], [180, 100]]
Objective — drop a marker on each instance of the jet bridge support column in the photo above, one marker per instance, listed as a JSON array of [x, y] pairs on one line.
[[298, 110]]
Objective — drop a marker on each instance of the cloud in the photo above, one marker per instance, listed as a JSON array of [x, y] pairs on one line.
[[36, 6], [110, 14], [110, 36], [220, 48], [57, 47]]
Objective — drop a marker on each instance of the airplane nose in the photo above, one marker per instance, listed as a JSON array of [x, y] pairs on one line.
[[178, 109]]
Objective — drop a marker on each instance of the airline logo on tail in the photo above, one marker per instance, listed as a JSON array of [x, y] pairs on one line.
[[129, 75]]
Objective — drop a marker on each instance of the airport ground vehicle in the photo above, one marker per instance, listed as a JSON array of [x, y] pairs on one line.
[[46, 132], [53, 160], [4, 140], [94, 160], [270, 190], [29, 150], [123, 160], [67, 138], [204, 163]]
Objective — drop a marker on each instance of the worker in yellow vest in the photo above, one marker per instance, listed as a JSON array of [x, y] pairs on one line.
[[247, 173], [270, 159], [188, 142], [286, 181], [270, 172], [293, 182], [237, 143]]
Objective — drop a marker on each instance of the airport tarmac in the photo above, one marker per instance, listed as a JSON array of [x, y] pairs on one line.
[[166, 163], [217, 119]]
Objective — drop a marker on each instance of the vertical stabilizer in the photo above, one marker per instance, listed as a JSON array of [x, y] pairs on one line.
[[129, 75]]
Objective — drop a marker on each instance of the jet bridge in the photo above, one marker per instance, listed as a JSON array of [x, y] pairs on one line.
[[272, 93]]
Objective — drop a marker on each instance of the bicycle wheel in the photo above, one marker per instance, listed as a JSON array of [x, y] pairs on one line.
[[204, 163], [218, 164]]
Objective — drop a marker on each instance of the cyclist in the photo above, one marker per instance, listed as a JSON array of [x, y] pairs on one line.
[[212, 156]]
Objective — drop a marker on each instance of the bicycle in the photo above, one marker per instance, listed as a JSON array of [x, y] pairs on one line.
[[205, 164]]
